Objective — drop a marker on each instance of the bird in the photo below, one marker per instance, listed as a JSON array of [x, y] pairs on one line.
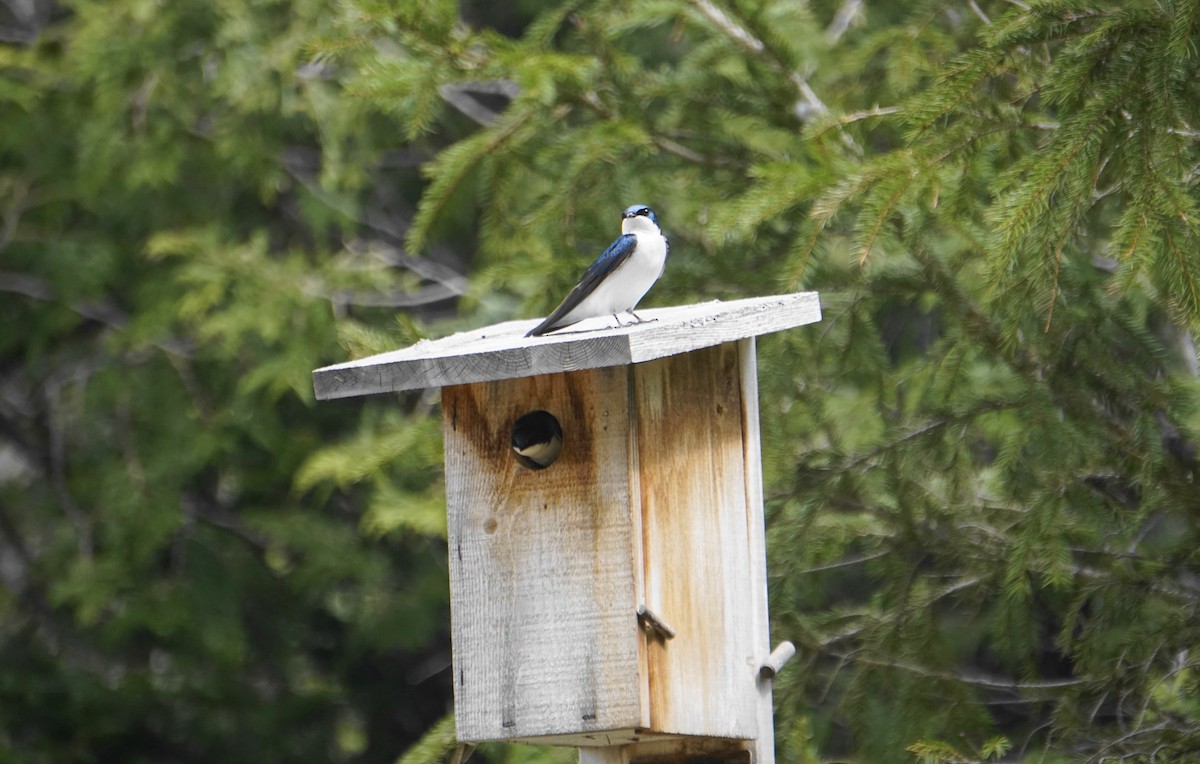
[[537, 440], [619, 278]]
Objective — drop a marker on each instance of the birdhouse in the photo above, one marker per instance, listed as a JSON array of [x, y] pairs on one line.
[[605, 526]]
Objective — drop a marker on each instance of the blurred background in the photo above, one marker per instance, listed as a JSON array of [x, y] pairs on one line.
[[980, 467]]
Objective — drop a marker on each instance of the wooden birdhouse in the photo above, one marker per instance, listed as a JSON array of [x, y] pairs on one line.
[[605, 527]]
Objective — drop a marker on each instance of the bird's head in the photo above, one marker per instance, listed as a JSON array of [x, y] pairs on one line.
[[639, 218]]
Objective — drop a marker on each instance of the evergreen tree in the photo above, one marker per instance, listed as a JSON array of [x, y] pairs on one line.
[[981, 465], [184, 204]]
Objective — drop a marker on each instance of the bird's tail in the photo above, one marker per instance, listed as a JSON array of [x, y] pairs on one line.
[[542, 328]]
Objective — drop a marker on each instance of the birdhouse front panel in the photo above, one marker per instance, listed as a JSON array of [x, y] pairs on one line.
[[542, 561]]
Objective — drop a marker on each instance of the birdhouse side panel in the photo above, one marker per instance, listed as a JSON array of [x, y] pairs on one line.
[[542, 575], [764, 742], [697, 550]]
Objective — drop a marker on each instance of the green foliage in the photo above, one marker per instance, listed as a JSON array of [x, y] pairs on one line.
[[980, 467], [433, 745], [975, 460], [181, 188]]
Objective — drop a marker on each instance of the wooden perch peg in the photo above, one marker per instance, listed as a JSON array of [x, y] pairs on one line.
[[777, 659], [653, 624]]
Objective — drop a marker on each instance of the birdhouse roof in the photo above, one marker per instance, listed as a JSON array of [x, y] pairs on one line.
[[502, 351]]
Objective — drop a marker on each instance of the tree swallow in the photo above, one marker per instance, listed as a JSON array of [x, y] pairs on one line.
[[537, 440], [619, 278]]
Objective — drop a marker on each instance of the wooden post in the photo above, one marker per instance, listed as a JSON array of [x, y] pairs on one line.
[[615, 598]]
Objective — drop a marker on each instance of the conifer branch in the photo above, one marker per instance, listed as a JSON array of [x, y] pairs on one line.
[[740, 35], [102, 312], [452, 167], [1017, 222], [664, 142], [210, 513], [824, 126], [880, 219], [449, 282], [930, 427]]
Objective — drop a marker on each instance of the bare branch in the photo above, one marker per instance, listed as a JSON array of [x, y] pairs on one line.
[[850, 12], [1099, 755], [12, 215], [665, 143], [100, 311], [729, 27], [58, 471], [461, 95], [979, 11], [452, 282], [857, 560], [426, 295], [976, 678]]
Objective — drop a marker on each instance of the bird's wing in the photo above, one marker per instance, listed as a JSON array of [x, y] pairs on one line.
[[610, 259]]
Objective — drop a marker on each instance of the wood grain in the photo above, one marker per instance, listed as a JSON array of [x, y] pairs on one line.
[[502, 351], [677, 750], [764, 742], [655, 504], [756, 747], [542, 578], [698, 571]]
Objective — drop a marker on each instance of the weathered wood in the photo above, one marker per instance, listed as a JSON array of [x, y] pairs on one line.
[[758, 747], [698, 573], [502, 351], [685, 750], [542, 577], [653, 508], [615, 598], [763, 745]]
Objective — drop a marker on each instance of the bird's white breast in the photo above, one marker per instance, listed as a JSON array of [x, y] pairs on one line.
[[625, 286]]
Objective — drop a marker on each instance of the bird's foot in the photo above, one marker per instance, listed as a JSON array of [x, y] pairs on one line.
[[636, 319]]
